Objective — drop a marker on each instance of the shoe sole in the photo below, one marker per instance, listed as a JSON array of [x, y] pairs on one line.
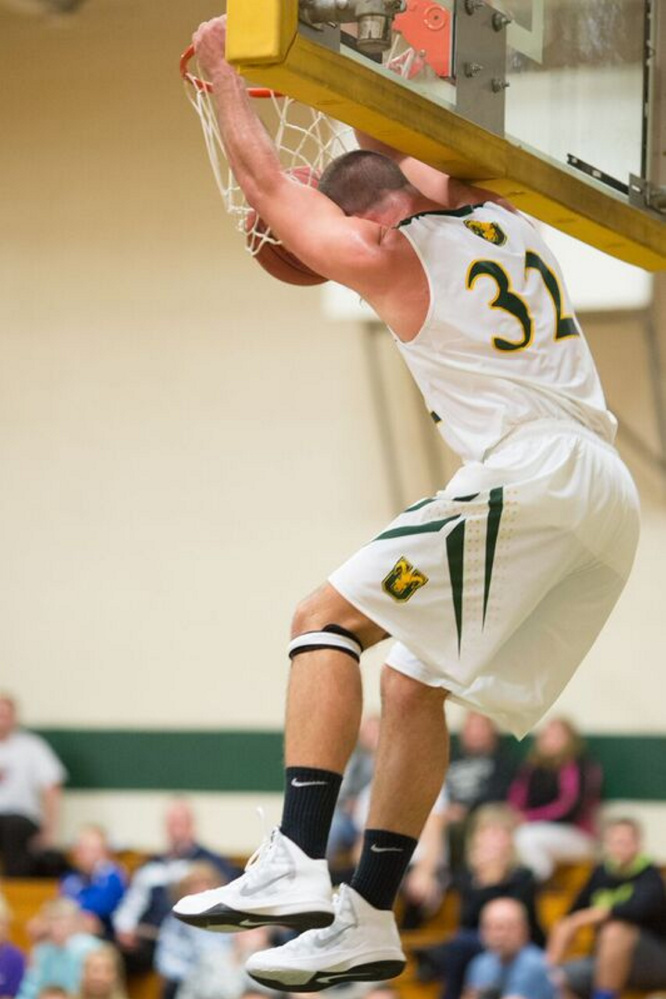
[[376, 971], [225, 920]]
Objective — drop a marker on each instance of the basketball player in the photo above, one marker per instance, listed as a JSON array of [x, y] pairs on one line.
[[494, 589]]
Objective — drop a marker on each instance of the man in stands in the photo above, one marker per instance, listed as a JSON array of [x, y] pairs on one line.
[[31, 779], [624, 901], [510, 965], [147, 901]]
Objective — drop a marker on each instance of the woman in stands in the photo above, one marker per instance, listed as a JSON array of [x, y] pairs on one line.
[[557, 792]]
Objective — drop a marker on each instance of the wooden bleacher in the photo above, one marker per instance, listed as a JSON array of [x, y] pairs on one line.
[[25, 898]]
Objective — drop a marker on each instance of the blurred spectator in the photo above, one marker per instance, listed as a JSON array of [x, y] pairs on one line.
[[480, 773], [382, 990], [422, 890], [557, 792], [31, 778], [180, 947], [103, 975], [492, 872], [12, 961], [58, 959], [510, 965], [147, 901], [53, 992], [97, 883], [220, 974], [358, 775], [624, 900]]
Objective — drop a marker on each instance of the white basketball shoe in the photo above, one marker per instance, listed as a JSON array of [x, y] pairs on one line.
[[361, 945], [281, 885]]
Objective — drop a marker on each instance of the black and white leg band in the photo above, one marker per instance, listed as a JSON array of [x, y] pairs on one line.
[[330, 637]]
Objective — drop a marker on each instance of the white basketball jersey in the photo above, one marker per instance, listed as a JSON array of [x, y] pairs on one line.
[[500, 346]]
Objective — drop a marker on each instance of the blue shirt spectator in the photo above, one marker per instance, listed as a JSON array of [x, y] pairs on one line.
[[510, 965], [525, 975], [97, 883]]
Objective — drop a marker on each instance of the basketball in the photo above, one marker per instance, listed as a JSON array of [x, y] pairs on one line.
[[275, 258]]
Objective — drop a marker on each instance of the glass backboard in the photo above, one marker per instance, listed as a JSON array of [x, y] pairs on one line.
[[577, 75]]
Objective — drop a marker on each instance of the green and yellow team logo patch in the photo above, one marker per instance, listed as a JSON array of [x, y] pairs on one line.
[[490, 231], [404, 580]]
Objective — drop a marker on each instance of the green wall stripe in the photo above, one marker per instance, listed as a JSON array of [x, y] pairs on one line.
[[114, 759], [121, 759]]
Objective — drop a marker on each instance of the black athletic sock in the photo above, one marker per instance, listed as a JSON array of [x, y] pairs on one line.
[[309, 802], [384, 860]]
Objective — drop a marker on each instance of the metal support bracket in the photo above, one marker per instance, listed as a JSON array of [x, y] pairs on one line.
[[480, 64], [373, 17], [643, 194]]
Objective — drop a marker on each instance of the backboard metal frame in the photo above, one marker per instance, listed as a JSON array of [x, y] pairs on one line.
[[265, 44]]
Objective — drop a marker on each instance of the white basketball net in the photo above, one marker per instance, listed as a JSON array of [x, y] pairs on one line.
[[306, 139]]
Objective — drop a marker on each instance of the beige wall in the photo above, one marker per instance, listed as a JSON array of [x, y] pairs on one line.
[[187, 446]]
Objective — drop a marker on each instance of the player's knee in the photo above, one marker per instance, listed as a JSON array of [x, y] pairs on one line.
[[327, 607], [318, 625], [402, 693], [307, 616]]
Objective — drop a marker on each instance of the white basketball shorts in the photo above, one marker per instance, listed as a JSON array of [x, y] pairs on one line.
[[497, 587]]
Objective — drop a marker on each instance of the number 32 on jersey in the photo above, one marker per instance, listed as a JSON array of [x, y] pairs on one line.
[[507, 300]]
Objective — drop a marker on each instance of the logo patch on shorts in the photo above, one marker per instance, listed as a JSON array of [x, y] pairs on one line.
[[404, 580], [490, 231]]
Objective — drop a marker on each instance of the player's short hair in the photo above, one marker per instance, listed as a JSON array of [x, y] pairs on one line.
[[357, 180]]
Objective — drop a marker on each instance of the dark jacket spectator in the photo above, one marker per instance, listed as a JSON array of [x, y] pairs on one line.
[[148, 900], [518, 883], [635, 895], [624, 900]]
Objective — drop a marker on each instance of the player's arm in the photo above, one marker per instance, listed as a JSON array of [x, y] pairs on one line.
[[433, 183], [344, 249]]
